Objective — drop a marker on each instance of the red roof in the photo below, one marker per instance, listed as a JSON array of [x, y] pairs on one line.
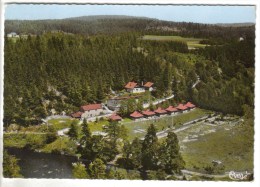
[[76, 114], [171, 109], [115, 117], [181, 107], [148, 84], [131, 85], [148, 113], [136, 114], [91, 107], [190, 105], [160, 111]]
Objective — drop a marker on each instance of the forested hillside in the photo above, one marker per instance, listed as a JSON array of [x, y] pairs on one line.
[[63, 71], [92, 25]]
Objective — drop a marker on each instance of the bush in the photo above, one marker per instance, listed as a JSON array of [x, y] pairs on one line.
[[35, 141]]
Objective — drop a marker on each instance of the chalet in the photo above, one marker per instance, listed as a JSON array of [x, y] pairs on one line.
[[171, 110], [133, 87], [136, 115], [160, 112], [182, 108], [190, 106], [91, 110], [149, 86], [115, 117], [76, 114], [148, 114]]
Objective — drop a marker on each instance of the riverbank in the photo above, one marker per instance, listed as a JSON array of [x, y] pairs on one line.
[[43, 165]]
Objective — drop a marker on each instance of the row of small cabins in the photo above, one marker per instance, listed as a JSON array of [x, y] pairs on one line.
[[160, 112], [94, 110]]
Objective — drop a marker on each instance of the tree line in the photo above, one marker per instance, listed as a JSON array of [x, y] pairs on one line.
[[142, 156]]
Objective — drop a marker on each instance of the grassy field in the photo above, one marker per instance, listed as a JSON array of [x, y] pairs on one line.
[[229, 143], [97, 126], [191, 42], [61, 123]]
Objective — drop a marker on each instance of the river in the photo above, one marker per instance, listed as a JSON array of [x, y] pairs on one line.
[[43, 165]]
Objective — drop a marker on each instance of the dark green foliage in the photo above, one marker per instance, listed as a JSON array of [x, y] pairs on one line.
[[97, 169], [131, 158], [61, 71], [150, 150], [170, 157], [11, 168], [79, 171], [91, 25], [73, 132], [86, 143]]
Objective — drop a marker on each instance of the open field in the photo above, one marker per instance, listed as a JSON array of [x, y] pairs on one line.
[[191, 42], [225, 141]]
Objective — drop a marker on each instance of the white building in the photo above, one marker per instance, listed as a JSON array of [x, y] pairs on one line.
[[12, 35], [91, 110], [133, 87]]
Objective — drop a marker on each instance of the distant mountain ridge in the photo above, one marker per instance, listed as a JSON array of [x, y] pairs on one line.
[[114, 24], [246, 24], [96, 17]]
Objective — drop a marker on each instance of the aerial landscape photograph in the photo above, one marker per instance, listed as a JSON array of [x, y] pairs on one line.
[[129, 92]]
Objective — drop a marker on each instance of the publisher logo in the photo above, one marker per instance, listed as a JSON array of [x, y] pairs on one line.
[[239, 175]]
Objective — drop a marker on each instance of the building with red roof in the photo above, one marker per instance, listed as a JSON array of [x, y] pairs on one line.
[[115, 117], [160, 112], [148, 113], [133, 87], [76, 114], [149, 86], [136, 115], [182, 108], [190, 106], [171, 110], [91, 110], [90, 107]]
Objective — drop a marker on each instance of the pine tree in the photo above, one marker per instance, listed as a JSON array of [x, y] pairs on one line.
[[150, 150], [73, 132], [86, 143], [97, 169], [170, 156]]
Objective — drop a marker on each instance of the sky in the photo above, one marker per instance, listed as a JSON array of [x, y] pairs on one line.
[[190, 13]]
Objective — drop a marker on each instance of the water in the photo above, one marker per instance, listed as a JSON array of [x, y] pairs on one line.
[[43, 165]]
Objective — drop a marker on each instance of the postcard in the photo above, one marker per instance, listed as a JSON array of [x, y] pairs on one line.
[[158, 93]]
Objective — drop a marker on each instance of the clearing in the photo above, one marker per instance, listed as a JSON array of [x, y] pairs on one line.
[[227, 141], [191, 42]]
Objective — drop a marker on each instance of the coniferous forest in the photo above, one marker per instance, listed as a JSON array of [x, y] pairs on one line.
[[63, 64], [73, 69]]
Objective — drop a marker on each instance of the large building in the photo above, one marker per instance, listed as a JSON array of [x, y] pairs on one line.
[[91, 110], [133, 87]]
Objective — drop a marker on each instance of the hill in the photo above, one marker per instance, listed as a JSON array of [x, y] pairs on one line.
[[101, 24]]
